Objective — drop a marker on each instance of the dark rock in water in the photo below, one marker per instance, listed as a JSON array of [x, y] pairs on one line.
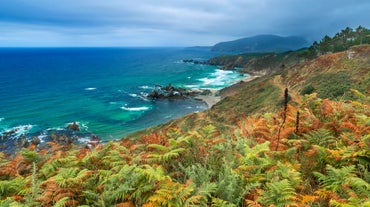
[[74, 126], [169, 91], [24, 143], [36, 141], [95, 138], [206, 92], [10, 132], [63, 138], [202, 62]]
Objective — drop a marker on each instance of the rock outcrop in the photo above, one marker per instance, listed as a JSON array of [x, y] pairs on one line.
[[170, 92], [73, 126]]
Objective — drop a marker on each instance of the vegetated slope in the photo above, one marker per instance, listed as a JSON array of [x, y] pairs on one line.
[[270, 62], [262, 43], [333, 75], [314, 154], [330, 76]]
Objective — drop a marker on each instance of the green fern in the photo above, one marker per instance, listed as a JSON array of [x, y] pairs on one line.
[[230, 185], [321, 137], [278, 193], [62, 202], [335, 178], [12, 186], [361, 187], [285, 171], [216, 202]]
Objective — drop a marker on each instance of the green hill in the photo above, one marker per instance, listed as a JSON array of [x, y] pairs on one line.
[[262, 43]]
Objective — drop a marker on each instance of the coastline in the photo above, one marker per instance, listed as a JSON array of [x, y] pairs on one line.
[[218, 94]]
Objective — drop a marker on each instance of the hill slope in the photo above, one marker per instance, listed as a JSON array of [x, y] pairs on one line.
[[330, 76], [311, 152], [261, 43]]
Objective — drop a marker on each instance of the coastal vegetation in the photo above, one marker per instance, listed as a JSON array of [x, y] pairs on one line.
[[321, 160], [297, 136]]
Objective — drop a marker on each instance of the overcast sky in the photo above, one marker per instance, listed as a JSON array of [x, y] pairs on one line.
[[171, 22]]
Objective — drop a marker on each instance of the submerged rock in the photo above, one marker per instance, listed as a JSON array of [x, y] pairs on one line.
[[73, 126]]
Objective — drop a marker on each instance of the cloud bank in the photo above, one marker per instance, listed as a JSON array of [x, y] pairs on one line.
[[171, 22]]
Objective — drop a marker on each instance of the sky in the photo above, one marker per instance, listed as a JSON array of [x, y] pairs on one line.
[[146, 23]]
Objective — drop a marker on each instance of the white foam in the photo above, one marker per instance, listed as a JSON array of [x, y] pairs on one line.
[[192, 86], [133, 95], [90, 89], [18, 130], [55, 129], [2, 118], [42, 137], [84, 139], [220, 78], [145, 87], [142, 108]]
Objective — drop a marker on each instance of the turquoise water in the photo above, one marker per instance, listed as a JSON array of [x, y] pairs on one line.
[[103, 89]]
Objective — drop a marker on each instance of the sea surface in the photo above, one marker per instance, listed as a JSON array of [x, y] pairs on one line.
[[42, 90]]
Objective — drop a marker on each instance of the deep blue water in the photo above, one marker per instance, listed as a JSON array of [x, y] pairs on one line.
[[103, 89]]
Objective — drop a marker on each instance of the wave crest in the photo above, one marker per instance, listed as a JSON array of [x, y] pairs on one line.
[[142, 108]]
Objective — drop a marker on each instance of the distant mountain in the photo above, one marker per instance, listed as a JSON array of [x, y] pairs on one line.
[[262, 43]]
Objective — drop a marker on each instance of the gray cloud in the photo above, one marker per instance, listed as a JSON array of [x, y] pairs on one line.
[[170, 22]]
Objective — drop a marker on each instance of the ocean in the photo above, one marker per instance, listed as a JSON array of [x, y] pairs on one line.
[[102, 89]]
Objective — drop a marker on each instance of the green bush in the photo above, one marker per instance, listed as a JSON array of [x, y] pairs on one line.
[[307, 89]]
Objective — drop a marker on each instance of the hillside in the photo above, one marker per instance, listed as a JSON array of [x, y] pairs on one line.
[[297, 136], [312, 152], [271, 62], [261, 43], [330, 76]]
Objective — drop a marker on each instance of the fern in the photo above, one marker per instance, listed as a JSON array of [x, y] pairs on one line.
[[278, 193], [322, 137], [62, 202], [173, 194], [216, 202], [12, 186], [361, 187], [335, 178], [230, 185]]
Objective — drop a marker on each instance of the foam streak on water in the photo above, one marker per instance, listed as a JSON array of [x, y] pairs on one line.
[[142, 108]]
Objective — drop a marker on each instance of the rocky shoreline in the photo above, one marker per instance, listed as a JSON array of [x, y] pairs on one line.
[[209, 96], [70, 135]]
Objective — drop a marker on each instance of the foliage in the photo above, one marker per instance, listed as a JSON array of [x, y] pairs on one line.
[[325, 163]]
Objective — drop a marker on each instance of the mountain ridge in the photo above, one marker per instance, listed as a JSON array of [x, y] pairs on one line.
[[262, 43]]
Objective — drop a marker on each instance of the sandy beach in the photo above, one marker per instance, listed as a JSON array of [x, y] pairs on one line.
[[216, 96]]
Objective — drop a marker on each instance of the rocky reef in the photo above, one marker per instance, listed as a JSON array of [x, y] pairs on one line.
[[171, 92]]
